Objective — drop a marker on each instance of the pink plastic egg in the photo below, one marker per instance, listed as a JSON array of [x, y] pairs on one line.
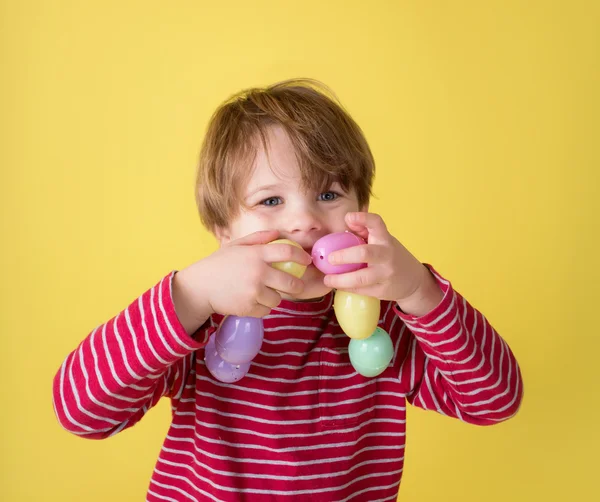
[[332, 242], [220, 369], [239, 339]]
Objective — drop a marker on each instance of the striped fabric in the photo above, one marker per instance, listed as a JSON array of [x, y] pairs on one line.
[[302, 423]]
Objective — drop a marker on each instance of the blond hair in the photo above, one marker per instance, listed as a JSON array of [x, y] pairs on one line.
[[329, 145]]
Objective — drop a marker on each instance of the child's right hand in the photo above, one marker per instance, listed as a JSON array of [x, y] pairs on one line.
[[238, 279]]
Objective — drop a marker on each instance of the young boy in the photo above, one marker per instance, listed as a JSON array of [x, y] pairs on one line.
[[287, 162]]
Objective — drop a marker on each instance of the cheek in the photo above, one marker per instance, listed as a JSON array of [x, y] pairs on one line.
[[251, 223]]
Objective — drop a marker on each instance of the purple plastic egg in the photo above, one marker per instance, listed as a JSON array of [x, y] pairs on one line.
[[239, 339], [220, 369], [332, 242]]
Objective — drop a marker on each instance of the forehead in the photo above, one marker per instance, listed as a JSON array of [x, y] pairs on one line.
[[278, 163]]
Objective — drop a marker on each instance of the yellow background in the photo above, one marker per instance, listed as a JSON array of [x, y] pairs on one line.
[[484, 121]]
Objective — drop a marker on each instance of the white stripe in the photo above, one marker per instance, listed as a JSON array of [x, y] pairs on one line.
[[111, 365], [291, 318], [166, 318], [95, 432], [120, 428], [450, 308], [428, 383], [133, 335], [446, 361], [287, 408], [146, 334], [269, 492], [335, 352], [326, 432], [185, 372], [271, 462], [157, 326], [101, 380], [262, 392], [301, 379], [307, 341], [325, 446], [122, 349], [416, 328], [496, 396], [64, 404], [179, 490], [481, 345], [253, 475], [403, 328], [371, 488], [78, 401], [293, 327], [292, 367], [162, 497], [504, 408], [485, 377], [413, 364], [294, 422], [448, 353], [88, 390]]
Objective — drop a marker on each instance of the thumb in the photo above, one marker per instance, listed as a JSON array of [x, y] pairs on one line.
[[369, 224], [261, 237]]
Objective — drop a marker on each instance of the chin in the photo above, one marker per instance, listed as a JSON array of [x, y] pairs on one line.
[[313, 294]]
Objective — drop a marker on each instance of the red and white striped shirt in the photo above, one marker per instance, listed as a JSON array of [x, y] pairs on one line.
[[302, 423]]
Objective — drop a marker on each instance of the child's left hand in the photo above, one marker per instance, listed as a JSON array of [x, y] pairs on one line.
[[393, 273]]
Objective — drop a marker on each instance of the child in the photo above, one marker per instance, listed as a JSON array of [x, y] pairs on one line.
[[287, 162]]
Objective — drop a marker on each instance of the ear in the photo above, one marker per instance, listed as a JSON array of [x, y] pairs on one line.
[[223, 235]]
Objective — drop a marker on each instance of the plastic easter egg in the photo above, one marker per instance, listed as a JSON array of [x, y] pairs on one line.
[[358, 315], [371, 356], [290, 267], [239, 339], [220, 369], [332, 242]]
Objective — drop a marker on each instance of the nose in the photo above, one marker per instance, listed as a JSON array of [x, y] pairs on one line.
[[303, 220]]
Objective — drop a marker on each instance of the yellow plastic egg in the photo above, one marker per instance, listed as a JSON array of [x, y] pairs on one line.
[[357, 314], [289, 267]]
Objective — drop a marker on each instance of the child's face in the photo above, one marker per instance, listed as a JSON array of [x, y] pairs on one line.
[[275, 201]]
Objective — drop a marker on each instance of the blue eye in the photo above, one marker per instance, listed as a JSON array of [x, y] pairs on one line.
[[271, 201], [328, 196]]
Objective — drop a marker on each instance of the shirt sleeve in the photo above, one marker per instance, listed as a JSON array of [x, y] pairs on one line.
[[123, 367], [453, 361]]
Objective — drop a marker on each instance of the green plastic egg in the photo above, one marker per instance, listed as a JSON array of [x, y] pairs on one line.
[[371, 356]]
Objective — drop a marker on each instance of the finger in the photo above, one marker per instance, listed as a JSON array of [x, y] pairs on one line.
[[274, 253], [259, 311], [372, 222], [366, 253], [261, 237], [282, 282], [374, 291], [268, 298], [360, 279], [359, 230]]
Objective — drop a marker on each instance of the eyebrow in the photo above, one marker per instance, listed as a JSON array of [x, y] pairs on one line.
[[261, 189]]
